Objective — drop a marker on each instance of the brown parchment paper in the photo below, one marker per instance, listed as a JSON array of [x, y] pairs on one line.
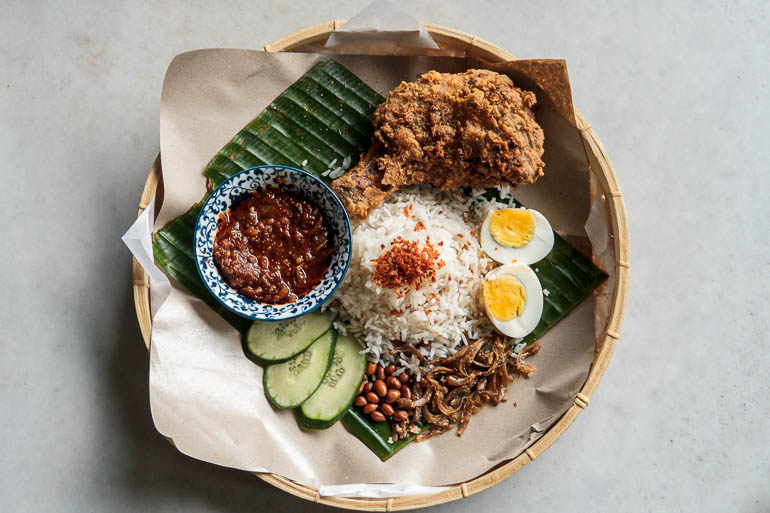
[[208, 398]]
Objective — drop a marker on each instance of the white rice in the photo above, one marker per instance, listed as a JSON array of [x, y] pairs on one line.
[[443, 315], [335, 172], [504, 191]]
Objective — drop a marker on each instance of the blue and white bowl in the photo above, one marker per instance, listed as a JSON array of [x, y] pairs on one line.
[[236, 188]]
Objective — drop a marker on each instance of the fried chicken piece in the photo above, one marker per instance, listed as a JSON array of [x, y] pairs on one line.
[[449, 130]]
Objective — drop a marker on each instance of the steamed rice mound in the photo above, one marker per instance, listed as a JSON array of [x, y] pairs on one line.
[[446, 311]]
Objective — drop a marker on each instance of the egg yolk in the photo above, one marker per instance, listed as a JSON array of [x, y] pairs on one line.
[[512, 227], [505, 297]]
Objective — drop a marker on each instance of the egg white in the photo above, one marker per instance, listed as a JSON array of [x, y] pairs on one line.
[[537, 249], [522, 325]]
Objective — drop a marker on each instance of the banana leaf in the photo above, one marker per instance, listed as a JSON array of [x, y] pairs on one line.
[[375, 435], [569, 277], [314, 125], [321, 119]]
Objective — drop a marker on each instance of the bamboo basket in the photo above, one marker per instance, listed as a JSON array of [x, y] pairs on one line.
[[605, 343]]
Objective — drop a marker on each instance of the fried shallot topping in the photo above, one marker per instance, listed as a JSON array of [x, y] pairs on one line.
[[458, 386], [406, 264]]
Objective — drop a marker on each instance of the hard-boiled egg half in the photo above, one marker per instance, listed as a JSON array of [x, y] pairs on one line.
[[513, 299], [516, 235]]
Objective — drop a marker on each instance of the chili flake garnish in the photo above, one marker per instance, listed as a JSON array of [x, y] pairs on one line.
[[419, 226], [405, 264]]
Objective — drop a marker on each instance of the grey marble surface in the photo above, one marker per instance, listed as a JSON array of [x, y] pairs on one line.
[[678, 93]]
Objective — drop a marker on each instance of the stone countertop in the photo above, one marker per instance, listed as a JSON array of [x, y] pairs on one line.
[[678, 95]]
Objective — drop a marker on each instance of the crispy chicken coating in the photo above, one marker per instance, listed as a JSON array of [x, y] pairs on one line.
[[471, 129]]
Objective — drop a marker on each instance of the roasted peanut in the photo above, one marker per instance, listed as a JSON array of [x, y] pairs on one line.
[[393, 382], [380, 388], [368, 386], [380, 372], [360, 401], [403, 377], [392, 396], [361, 388], [373, 398], [390, 369], [369, 408], [371, 368], [387, 409], [377, 416], [406, 392], [399, 415]]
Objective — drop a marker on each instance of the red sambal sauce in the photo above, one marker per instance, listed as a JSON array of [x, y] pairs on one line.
[[273, 246]]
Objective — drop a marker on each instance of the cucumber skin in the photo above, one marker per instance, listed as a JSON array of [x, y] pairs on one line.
[[328, 365], [266, 363], [309, 423], [261, 361]]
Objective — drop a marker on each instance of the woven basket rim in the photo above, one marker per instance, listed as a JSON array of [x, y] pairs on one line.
[[605, 342]]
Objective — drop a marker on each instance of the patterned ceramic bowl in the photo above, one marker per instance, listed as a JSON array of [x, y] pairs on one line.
[[236, 188]]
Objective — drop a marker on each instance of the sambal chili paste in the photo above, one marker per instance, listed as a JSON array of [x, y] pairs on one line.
[[273, 246]]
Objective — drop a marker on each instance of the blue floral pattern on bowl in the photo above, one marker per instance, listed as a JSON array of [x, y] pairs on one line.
[[255, 179]]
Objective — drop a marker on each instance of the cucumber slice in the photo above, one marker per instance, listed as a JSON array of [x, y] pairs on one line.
[[333, 398], [275, 342], [288, 384]]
